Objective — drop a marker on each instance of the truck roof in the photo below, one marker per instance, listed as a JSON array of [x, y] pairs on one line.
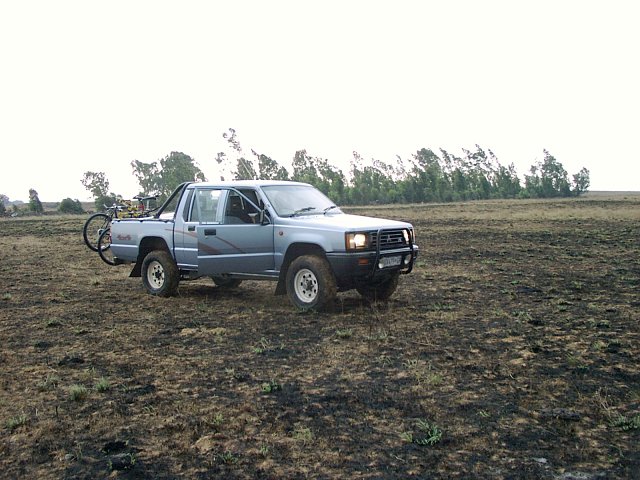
[[247, 183]]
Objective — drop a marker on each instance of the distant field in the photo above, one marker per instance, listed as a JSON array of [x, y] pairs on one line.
[[511, 351]]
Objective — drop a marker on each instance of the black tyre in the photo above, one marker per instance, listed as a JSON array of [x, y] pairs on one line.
[[311, 284], [160, 274], [380, 291], [95, 225], [226, 282], [104, 247]]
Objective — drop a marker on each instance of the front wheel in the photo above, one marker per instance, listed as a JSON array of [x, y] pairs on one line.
[[160, 273], [311, 284], [380, 291], [104, 247], [95, 225]]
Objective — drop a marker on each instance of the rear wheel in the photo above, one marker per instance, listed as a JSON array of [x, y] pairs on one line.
[[104, 247], [95, 225], [160, 274], [380, 291], [311, 284]]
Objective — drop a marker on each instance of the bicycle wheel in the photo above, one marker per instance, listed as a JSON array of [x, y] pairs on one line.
[[104, 247], [93, 228]]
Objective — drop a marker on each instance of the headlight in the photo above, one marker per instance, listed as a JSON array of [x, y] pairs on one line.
[[407, 237], [356, 241]]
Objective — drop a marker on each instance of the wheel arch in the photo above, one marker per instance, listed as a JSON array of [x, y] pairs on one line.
[[294, 251], [148, 244]]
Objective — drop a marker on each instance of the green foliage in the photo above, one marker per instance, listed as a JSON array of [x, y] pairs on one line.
[[98, 185], [271, 387], [547, 179], [626, 423], [581, 182], [102, 385], [16, 422], [3, 199], [70, 206], [78, 393], [161, 178], [319, 173], [345, 333], [426, 177], [425, 434], [35, 205], [269, 169]]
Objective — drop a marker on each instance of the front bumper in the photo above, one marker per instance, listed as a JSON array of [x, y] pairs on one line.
[[349, 266]]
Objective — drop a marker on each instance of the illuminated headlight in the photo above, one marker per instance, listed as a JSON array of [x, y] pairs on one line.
[[356, 241]]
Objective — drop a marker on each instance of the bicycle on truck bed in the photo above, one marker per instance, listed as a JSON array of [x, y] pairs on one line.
[[99, 222]]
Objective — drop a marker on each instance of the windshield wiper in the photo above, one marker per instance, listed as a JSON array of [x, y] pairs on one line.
[[301, 210], [331, 207]]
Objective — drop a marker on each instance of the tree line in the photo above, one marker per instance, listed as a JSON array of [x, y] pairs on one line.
[[35, 206], [426, 176]]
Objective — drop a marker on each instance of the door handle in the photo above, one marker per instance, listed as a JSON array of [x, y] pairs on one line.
[[209, 231]]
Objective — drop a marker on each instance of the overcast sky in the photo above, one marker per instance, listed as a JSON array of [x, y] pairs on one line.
[[87, 85]]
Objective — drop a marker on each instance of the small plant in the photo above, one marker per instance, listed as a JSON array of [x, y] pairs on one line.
[[626, 423], [434, 379], [302, 434], [271, 387], [384, 360], [48, 383], [379, 336], [345, 333], [407, 437], [53, 322], [523, 316], [430, 433], [16, 422], [483, 414], [6, 297], [102, 385], [78, 393], [264, 450], [216, 421], [265, 345], [227, 458]]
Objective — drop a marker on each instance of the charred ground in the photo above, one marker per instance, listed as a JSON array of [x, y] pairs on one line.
[[510, 352]]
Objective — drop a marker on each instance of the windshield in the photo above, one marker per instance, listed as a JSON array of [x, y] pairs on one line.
[[293, 200]]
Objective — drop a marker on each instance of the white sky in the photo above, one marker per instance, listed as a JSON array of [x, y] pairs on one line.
[[87, 85]]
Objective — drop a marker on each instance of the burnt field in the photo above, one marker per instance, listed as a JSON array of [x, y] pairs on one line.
[[511, 351]]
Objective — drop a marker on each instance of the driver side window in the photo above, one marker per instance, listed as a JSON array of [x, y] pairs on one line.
[[239, 210]]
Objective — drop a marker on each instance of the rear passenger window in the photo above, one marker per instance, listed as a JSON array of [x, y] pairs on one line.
[[187, 206]]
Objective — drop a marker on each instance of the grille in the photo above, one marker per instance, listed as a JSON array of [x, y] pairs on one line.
[[388, 239]]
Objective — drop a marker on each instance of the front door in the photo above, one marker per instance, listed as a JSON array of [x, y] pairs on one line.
[[232, 240]]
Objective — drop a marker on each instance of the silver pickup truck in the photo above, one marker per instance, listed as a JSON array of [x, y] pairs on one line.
[[289, 232]]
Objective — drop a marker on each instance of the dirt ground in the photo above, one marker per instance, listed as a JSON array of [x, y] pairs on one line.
[[511, 351]]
